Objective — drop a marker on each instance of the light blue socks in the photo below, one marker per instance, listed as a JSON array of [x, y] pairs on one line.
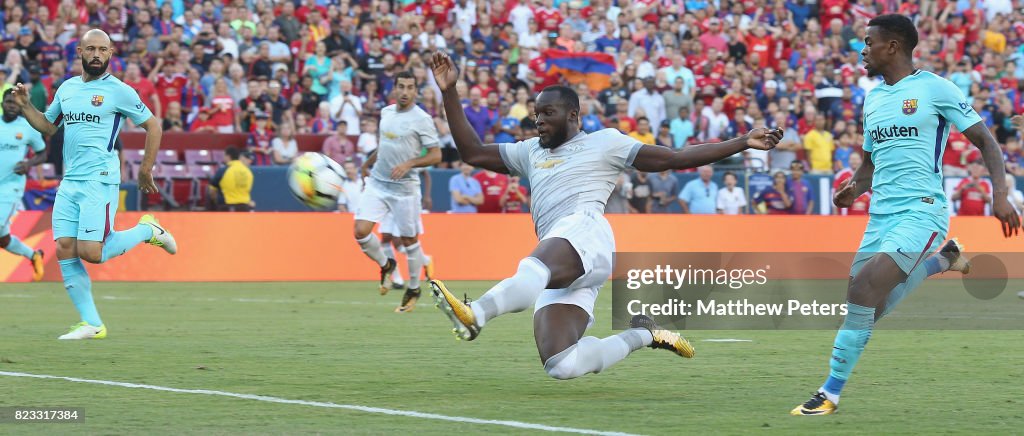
[[118, 243], [76, 281], [19, 248]]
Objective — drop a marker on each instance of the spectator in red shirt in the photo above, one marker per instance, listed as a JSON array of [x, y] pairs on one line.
[[548, 17], [493, 186], [973, 192], [169, 82], [202, 122], [514, 197], [860, 205], [147, 92], [957, 148]]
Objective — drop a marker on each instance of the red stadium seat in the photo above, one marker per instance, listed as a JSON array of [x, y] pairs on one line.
[[201, 175], [133, 156], [196, 157], [168, 157], [181, 183]]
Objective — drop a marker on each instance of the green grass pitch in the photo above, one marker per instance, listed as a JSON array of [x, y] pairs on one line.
[[341, 343]]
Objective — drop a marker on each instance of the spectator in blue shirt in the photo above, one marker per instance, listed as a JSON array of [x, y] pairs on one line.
[[700, 196], [681, 128], [608, 40], [508, 126], [466, 191]]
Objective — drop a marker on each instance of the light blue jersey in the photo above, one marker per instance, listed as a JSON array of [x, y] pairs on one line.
[[16, 138], [905, 129], [92, 113]]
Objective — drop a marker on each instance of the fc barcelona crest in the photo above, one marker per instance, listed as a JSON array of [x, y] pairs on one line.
[[18, 136], [97, 100], [909, 106]]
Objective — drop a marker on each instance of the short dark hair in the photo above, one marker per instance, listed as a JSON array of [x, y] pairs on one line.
[[897, 27], [639, 119], [730, 173], [566, 95], [8, 91], [406, 75], [232, 152]]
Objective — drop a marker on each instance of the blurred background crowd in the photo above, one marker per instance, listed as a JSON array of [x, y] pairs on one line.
[[681, 72]]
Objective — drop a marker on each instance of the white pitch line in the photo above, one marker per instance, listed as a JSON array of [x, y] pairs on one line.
[[367, 409]]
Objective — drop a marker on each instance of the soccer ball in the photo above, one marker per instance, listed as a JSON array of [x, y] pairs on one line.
[[316, 180]]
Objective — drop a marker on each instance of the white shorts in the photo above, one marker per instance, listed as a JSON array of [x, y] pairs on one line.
[[387, 225], [591, 235], [375, 205]]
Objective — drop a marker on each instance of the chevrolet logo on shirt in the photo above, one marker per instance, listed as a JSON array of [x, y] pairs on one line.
[[548, 164]]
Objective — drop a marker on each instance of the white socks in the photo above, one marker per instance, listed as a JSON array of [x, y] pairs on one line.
[[514, 294], [414, 255], [371, 246], [591, 354]]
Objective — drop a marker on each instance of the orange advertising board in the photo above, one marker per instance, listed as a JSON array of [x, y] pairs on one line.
[[319, 246]]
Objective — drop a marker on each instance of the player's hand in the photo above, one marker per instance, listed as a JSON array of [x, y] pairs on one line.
[[763, 139], [20, 168], [846, 194], [428, 203], [1008, 218], [401, 170], [21, 95], [444, 70], [146, 183], [1018, 122]]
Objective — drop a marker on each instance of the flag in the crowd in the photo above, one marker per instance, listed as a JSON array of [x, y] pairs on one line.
[[594, 69], [40, 194]]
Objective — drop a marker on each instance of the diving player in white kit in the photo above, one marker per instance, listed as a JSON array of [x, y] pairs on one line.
[[571, 174]]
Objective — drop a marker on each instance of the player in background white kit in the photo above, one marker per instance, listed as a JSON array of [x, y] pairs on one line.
[[394, 188], [572, 174], [390, 244]]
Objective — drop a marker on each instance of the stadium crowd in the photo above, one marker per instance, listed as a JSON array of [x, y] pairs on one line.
[[687, 71]]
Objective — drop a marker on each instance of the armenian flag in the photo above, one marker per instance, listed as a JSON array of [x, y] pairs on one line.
[[594, 69]]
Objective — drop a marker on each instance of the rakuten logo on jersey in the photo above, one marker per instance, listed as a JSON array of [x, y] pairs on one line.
[[81, 117], [881, 134]]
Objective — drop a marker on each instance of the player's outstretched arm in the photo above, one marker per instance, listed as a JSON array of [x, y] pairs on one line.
[[981, 137], [35, 118], [656, 159], [471, 148], [153, 133]]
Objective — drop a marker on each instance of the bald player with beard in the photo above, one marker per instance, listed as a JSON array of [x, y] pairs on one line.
[[91, 108]]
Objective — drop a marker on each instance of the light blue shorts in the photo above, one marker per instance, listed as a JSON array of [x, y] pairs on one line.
[[907, 237], [84, 209]]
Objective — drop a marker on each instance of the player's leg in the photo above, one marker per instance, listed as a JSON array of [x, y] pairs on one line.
[[426, 260], [406, 213], [897, 246], [97, 240], [371, 210], [66, 213], [949, 258], [553, 263], [390, 245], [14, 245]]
